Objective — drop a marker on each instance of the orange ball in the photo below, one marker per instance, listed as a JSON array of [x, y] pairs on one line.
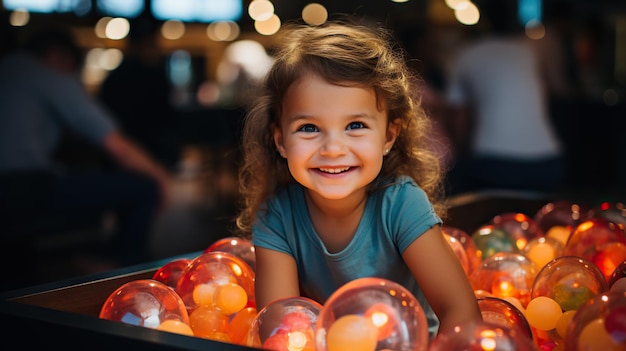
[[352, 332], [175, 326], [230, 298], [203, 294], [543, 313], [240, 324], [206, 321]]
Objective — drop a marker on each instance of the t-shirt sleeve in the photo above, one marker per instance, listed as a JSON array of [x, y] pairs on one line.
[[269, 230], [409, 213]]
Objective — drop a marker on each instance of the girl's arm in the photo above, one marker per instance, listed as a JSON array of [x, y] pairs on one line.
[[442, 279], [276, 276]]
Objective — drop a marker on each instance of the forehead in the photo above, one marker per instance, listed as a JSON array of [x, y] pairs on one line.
[[311, 94]]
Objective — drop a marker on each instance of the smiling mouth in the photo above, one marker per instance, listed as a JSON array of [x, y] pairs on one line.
[[334, 170]]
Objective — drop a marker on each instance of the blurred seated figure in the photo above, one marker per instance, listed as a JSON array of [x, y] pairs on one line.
[[138, 93], [41, 100]]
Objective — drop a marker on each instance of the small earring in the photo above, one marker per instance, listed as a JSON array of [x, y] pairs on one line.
[[386, 151]]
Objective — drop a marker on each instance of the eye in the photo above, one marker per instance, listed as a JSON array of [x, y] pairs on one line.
[[308, 128], [356, 125]]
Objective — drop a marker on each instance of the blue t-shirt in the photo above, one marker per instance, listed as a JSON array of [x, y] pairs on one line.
[[393, 218]]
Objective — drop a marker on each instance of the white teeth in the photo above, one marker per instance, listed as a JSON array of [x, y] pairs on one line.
[[334, 170]]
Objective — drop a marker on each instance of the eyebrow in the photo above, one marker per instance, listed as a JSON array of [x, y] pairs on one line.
[[361, 115]]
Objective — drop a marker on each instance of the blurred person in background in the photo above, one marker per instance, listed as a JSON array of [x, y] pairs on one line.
[[41, 100], [498, 111], [138, 92]]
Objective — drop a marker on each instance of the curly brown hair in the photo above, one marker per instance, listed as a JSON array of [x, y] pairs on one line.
[[347, 53]]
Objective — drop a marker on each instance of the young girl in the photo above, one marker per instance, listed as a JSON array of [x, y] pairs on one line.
[[338, 175]]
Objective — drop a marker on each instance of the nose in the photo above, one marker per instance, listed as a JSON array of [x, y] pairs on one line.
[[333, 145]]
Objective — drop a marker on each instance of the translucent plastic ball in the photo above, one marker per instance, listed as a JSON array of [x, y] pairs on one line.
[[478, 336], [239, 247], [146, 303], [570, 281], [600, 324], [612, 211], [169, 273], [218, 280], [543, 250], [501, 312], [590, 234], [471, 252], [490, 240], [557, 219], [370, 314], [506, 274], [618, 273], [459, 251], [239, 325], [284, 325], [520, 227], [599, 241], [608, 257]]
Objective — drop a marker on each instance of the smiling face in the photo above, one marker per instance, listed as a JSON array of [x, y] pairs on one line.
[[333, 137]]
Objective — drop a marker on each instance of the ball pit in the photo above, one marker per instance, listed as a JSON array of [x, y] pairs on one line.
[[555, 281]]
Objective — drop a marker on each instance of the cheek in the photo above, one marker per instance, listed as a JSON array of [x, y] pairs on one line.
[[370, 151]]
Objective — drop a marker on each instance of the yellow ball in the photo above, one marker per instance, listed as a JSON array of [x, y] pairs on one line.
[[175, 326], [563, 322], [543, 313], [595, 337]]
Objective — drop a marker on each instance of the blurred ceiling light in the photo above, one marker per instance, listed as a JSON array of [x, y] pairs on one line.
[[110, 58], [467, 13], [19, 17], [117, 28], [261, 10], [535, 29], [314, 14], [399, 1], [269, 26], [454, 4], [223, 31], [208, 93], [250, 55], [103, 59], [173, 29], [101, 26], [98, 61]]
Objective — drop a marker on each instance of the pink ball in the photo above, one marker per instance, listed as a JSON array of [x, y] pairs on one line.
[[239, 247], [569, 280], [211, 270], [506, 274], [473, 258], [272, 326], [501, 312], [520, 227], [394, 318], [560, 213], [170, 272], [600, 324], [146, 303], [481, 336]]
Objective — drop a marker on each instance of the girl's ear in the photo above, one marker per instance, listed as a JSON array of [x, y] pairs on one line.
[[278, 140], [393, 130]]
